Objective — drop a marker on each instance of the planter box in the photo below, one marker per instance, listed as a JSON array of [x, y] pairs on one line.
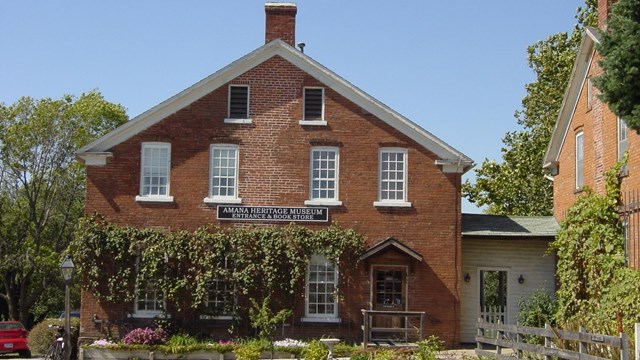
[[109, 354]]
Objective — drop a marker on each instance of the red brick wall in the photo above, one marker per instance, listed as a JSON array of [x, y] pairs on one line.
[[600, 127], [274, 171]]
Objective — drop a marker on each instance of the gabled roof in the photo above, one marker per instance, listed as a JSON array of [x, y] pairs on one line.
[[388, 244], [448, 156], [501, 226], [579, 73]]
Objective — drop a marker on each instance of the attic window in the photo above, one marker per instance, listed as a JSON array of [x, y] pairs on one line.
[[238, 104], [313, 107]]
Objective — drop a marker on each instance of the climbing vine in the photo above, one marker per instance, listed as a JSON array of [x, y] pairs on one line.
[[259, 261], [596, 289]]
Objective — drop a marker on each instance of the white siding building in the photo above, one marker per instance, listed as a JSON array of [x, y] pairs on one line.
[[504, 259]]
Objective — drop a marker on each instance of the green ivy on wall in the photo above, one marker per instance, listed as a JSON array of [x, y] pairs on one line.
[[265, 260], [596, 288]]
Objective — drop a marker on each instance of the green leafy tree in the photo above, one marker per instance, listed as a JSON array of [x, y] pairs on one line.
[[620, 48], [517, 185], [42, 188]]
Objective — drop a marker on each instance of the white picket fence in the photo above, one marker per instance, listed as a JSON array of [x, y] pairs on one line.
[[494, 314]]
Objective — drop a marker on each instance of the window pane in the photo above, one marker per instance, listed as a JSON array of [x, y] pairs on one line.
[[223, 171], [392, 175], [321, 284], [324, 173], [154, 169]]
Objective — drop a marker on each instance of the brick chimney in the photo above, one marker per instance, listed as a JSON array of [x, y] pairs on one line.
[[281, 22], [604, 9]]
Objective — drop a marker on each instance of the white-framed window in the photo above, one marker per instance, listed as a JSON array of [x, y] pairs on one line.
[[238, 110], [623, 138], [579, 159], [221, 299], [392, 177], [321, 300], [589, 93], [223, 174], [149, 302], [324, 175], [313, 106], [155, 171]]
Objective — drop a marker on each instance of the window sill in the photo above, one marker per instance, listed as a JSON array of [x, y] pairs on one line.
[[403, 204], [238, 121], [313, 122], [220, 200], [154, 199], [319, 202], [213, 317], [332, 320], [150, 315]]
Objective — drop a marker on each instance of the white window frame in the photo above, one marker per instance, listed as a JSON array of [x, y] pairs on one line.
[[382, 202], [589, 93], [579, 158], [144, 313], [227, 287], [330, 201], [226, 199], [304, 121], [150, 197], [320, 260], [158, 297], [231, 120], [623, 138]]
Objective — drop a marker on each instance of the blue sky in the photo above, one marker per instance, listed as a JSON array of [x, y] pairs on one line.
[[457, 67]]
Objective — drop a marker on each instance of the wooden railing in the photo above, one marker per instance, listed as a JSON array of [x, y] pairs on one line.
[[404, 327], [509, 340]]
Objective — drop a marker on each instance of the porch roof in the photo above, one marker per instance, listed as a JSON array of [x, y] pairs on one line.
[[389, 244], [481, 225]]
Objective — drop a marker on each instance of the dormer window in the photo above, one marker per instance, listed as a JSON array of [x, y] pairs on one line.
[[313, 107], [238, 105]]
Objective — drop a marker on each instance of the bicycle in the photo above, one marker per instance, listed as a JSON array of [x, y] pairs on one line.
[[56, 350]]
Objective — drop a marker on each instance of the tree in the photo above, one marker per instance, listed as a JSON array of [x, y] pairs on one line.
[[42, 188], [517, 185], [620, 48]]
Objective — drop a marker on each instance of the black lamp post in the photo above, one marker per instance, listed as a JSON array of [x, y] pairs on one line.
[[67, 268]]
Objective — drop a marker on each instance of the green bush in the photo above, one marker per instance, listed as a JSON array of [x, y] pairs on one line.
[[537, 310], [42, 335], [428, 348], [315, 351], [249, 351]]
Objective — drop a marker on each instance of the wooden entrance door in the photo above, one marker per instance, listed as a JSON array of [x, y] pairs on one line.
[[389, 293]]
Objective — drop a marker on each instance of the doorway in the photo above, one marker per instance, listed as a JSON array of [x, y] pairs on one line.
[[389, 293], [493, 295]]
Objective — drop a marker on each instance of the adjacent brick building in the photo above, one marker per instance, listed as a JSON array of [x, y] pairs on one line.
[[589, 139], [277, 130]]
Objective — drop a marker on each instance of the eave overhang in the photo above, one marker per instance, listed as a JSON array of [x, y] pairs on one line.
[[579, 73]]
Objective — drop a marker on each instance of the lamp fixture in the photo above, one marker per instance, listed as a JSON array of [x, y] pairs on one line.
[[467, 277], [67, 268], [520, 279]]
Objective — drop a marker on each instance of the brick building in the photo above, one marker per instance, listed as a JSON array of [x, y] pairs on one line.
[[276, 130], [589, 139]]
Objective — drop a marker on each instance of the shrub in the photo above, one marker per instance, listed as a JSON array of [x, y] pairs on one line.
[[249, 351], [145, 336], [315, 351], [537, 309], [43, 335], [427, 348]]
